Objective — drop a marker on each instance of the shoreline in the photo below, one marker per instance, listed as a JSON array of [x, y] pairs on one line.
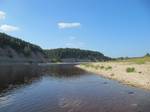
[[140, 78]]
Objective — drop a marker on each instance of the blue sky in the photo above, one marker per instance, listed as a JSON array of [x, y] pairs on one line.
[[113, 27]]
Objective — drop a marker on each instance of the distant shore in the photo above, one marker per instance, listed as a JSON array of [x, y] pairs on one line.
[[133, 74]]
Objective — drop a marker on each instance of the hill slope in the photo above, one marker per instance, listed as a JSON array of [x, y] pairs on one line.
[[16, 50], [72, 54]]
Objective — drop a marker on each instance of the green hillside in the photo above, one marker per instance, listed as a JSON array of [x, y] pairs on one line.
[[14, 49], [18, 45], [77, 54]]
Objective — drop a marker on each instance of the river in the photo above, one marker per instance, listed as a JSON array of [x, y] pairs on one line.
[[65, 88]]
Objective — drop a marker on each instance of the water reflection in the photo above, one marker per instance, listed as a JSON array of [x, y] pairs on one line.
[[21, 74], [13, 75], [66, 71]]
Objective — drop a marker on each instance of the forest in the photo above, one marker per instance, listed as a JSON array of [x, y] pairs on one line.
[[66, 53]]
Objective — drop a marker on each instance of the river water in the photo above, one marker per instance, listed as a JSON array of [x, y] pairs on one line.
[[65, 88]]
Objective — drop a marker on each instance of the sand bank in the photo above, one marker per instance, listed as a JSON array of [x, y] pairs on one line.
[[139, 77]]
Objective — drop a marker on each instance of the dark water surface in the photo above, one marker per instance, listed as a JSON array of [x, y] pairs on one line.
[[64, 88]]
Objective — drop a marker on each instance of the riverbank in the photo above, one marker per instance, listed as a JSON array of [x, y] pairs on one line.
[[130, 73]]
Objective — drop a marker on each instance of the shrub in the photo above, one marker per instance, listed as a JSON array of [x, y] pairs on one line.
[[102, 67], [27, 51], [130, 69], [96, 67], [55, 60], [112, 74], [108, 68]]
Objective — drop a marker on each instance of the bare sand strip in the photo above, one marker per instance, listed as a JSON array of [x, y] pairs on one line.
[[139, 77]]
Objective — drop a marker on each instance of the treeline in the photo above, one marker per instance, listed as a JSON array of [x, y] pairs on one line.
[[66, 53], [147, 55], [18, 45]]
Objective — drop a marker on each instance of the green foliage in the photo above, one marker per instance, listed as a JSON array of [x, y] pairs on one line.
[[64, 53], [55, 60], [18, 45], [147, 55], [137, 60], [27, 51], [102, 67], [97, 66], [87, 65], [141, 60], [108, 68], [130, 69]]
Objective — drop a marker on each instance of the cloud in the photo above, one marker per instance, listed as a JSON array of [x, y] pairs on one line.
[[73, 42], [8, 28], [65, 25], [2, 15]]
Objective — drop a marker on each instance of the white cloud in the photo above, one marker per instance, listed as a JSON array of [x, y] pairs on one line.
[[2, 15], [8, 28], [65, 25]]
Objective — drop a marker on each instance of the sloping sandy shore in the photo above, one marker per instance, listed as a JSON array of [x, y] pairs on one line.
[[139, 77]]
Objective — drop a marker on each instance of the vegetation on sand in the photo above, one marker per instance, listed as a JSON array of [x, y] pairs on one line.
[[130, 69]]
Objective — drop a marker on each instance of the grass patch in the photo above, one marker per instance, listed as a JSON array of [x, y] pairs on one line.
[[130, 69], [141, 60], [88, 65]]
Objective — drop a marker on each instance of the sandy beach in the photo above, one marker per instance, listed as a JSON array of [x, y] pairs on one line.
[[139, 77]]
